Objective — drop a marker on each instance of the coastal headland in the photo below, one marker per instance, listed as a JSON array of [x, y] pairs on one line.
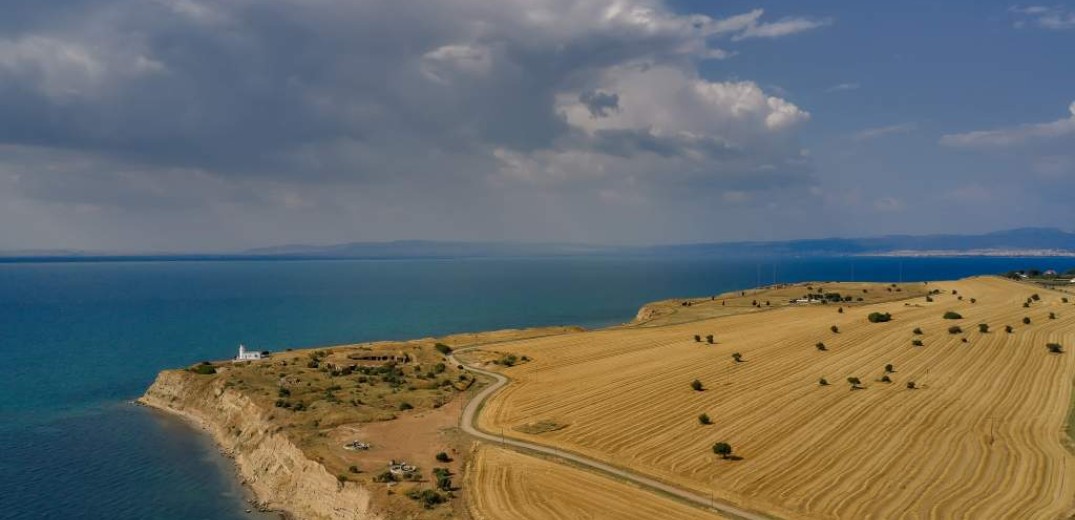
[[809, 400]]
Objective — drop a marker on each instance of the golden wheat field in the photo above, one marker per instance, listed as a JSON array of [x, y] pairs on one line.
[[507, 485], [982, 435]]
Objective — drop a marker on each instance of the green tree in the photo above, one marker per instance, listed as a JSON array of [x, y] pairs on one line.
[[723, 449], [952, 315]]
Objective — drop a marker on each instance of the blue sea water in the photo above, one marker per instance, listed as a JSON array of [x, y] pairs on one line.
[[80, 340]]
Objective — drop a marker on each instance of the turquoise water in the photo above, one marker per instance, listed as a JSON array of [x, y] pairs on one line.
[[80, 340]]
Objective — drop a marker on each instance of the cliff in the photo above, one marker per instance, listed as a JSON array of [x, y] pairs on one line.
[[275, 469]]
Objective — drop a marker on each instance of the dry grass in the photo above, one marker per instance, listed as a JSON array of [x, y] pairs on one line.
[[683, 310], [981, 438], [407, 411], [507, 485]]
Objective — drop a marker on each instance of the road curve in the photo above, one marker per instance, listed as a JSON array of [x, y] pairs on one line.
[[468, 424]]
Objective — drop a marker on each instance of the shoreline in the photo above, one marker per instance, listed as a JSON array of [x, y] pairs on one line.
[[227, 457]]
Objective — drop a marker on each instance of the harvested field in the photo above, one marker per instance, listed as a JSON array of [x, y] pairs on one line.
[[982, 435], [507, 485]]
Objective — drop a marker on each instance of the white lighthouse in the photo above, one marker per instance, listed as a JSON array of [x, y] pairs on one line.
[[246, 355]]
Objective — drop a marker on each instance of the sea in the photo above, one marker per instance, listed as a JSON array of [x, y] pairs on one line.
[[80, 340]]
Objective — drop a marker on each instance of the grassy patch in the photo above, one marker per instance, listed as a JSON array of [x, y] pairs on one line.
[[540, 427]]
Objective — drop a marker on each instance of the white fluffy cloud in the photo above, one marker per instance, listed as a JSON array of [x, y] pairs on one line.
[[1054, 18], [1005, 137], [314, 99]]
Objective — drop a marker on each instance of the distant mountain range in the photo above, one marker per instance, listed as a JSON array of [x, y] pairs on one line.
[[1014, 242]]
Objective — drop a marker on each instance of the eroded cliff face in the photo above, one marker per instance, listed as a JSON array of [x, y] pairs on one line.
[[277, 471]]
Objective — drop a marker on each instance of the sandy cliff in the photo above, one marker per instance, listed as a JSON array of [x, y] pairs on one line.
[[277, 471]]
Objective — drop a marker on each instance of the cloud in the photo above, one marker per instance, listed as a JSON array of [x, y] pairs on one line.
[[1053, 18], [888, 205], [843, 87], [870, 134], [781, 28], [1012, 136], [599, 103], [278, 117]]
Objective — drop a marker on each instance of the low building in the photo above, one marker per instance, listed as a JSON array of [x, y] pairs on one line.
[[250, 355]]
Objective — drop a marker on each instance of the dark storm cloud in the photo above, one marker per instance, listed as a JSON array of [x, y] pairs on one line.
[[134, 104]]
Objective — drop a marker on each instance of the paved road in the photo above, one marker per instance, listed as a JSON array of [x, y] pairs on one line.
[[470, 416]]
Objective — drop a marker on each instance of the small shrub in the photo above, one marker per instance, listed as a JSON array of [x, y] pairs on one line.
[[1052, 315], [821, 346], [737, 357], [385, 476], [704, 419], [1026, 320], [709, 339], [917, 331], [822, 382], [911, 385], [443, 349], [203, 368], [443, 457], [929, 299], [1026, 305], [835, 329], [1008, 329], [916, 342], [1055, 348], [354, 469], [1064, 299], [696, 385], [974, 300], [879, 317], [697, 338], [983, 328], [951, 315], [723, 449], [404, 406], [854, 382], [964, 340], [886, 379], [955, 329], [1035, 297], [889, 368], [341, 478], [840, 310]]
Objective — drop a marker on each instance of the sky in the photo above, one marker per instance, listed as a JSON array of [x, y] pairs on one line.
[[219, 125]]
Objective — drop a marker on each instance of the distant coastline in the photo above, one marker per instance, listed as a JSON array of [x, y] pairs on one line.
[[1000, 253], [1025, 242]]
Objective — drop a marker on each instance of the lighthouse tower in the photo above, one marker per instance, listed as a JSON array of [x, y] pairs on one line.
[[245, 355]]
